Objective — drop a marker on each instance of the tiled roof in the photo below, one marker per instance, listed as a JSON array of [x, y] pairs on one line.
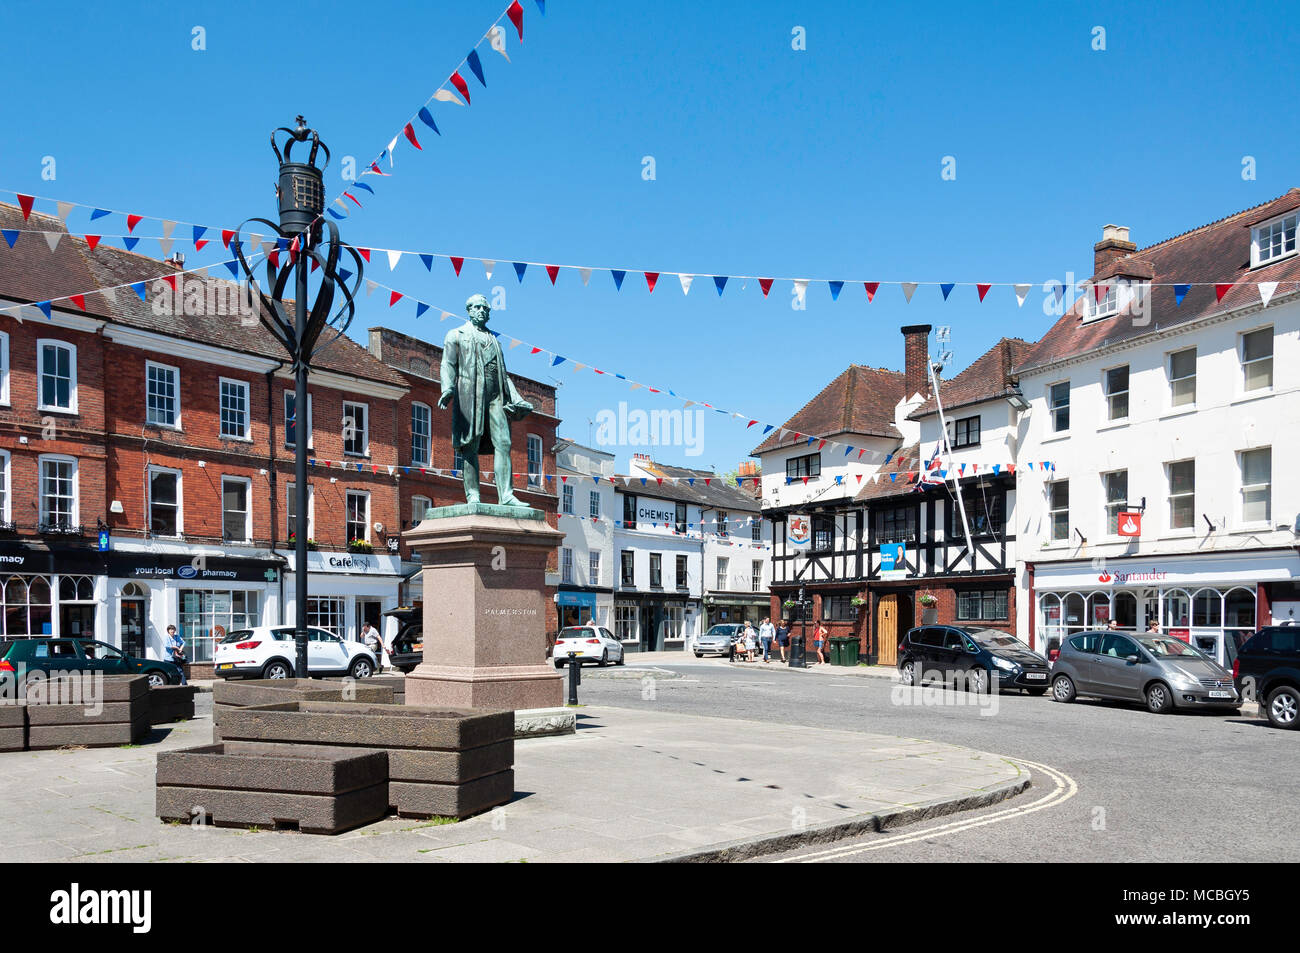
[[31, 272], [988, 378], [861, 400], [903, 466], [717, 493], [1215, 253]]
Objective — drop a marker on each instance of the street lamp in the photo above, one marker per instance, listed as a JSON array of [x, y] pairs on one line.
[[295, 324]]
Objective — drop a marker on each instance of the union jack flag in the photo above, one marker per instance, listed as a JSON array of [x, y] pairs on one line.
[[928, 476]]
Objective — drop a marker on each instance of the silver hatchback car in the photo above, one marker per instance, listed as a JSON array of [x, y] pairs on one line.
[[1164, 672]]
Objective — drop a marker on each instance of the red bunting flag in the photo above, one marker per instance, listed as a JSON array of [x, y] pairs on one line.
[[1221, 290], [363, 252], [822, 444], [354, 199], [516, 14], [79, 301], [766, 285], [25, 202], [198, 245], [798, 436], [459, 82], [394, 297], [171, 280], [227, 235], [708, 480], [456, 263], [552, 271], [805, 481], [650, 276], [872, 287], [374, 167], [274, 258], [132, 221], [1099, 292], [92, 241], [536, 350], [750, 424], [314, 265], [983, 290], [410, 134], [859, 477]]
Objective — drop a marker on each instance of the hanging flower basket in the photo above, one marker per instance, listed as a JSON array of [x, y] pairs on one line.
[[927, 600], [360, 546]]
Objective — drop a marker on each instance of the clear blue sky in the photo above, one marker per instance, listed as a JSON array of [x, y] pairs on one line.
[[822, 163]]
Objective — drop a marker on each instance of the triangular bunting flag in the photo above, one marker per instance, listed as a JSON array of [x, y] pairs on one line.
[[946, 289], [909, 289], [1022, 292], [983, 290], [520, 267], [409, 130], [476, 67], [52, 239], [650, 276], [426, 117], [516, 14], [1222, 289], [1180, 292], [65, 209], [459, 82], [25, 203], [394, 256], [765, 284], [552, 272], [488, 267], [618, 278], [447, 96], [836, 287], [394, 297], [872, 287], [1266, 289], [686, 283], [585, 275], [10, 235]]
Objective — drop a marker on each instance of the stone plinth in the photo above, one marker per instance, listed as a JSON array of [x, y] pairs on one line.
[[484, 581]]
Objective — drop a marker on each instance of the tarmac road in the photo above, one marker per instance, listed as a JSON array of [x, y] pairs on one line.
[[1111, 782]]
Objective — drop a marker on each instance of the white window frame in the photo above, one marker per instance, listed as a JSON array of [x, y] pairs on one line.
[[1110, 396], [427, 460], [290, 497], [535, 478], [1172, 496], [41, 344], [1107, 502], [593, 568], [180, 501], [248, 502], [566, 499], [363, 431], [722, 574], [176, 398], [1245, 487], [4, 368], [1274, 224], [417, 509], [247, 435], [1052, 512], [1052, 408], [593, 504], [756, 575], [6, 492], [566, 564], [347, 510], [1241, 354], [1173, 381], [290, 392], [74, 518]]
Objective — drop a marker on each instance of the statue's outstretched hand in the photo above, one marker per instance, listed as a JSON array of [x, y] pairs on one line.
[[446, 398]]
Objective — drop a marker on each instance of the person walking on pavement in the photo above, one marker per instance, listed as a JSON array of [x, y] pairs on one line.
[[766, 632], [819, 641], [175, 647], [370, 636], [783, 638]]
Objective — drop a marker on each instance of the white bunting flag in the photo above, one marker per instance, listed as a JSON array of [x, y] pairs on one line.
[[686, 283], [52, 239], [781, 435], [577, 367], [166, 245], [1022, 292], [689, 403], [253, 241], [394, 257], [514, 343], [370, 287], [497, 40], [447, 96], [445, 315], [488, 266], [1266, 289], [585, 275], [635, 385], [390, 470], [110, 294], [167, 228], [65, 209], [268, 247], [909, 289], [800, 289]]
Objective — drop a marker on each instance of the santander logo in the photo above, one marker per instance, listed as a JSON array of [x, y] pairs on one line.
[[1104, 577]]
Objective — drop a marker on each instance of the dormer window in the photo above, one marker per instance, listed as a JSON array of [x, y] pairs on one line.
[[1112, 296], [1273, 240]]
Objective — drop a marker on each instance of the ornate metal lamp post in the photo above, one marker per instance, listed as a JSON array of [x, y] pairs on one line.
[[299, 323]]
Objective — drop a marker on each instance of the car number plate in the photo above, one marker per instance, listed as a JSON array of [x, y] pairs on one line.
[[1042, 675], [227, 665], [1220, 694]]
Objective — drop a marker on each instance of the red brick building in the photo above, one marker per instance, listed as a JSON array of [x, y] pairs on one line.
[[161, 427]]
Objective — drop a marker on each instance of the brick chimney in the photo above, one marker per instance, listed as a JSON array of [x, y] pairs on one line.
[[1114, 245], [916, 357]]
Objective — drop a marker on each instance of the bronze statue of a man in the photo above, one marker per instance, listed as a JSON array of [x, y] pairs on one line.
[[483, 399]]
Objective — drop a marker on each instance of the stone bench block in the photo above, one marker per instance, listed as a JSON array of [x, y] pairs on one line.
[[13, 739], [87, 734], [80, 687], [109, 713], [374, 726], [12, 715], [271, 691], [450, 767], [417, 799], [315, 789], [170, 702]]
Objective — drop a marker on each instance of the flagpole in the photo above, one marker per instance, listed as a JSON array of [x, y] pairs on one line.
[[943, 429]]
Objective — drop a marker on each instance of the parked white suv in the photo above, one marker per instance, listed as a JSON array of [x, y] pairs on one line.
[[269, 652], [589, 643]]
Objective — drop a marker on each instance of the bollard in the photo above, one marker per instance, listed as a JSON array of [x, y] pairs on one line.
[[797, 659], [575, 677]]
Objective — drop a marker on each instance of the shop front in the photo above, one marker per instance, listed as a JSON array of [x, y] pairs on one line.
[[737, 609], [53, 589], [577, 606], [347, 590], [1215, 601], [648, 622]]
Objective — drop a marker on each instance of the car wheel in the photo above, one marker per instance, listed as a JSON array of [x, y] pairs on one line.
[[277, 669], [604, 658], [977, 681], [1159, 699], [699, 655], [156, 679], [1035, 691], [362, 668], [1283, 707], [559, 665], [907, 672], [622, 656], [1063, 689]]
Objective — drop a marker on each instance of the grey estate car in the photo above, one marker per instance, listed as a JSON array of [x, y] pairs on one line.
[[718, 639], [1162, 671]]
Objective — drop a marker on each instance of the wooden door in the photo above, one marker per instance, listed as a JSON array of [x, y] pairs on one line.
[[887, 630]]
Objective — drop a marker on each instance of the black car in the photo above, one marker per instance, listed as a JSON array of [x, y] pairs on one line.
[[970, 657], [408, 645], [1267, 669]]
